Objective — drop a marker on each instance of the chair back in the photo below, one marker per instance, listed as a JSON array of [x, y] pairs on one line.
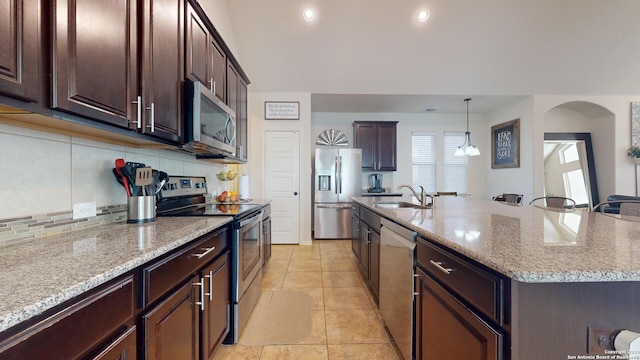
[[556, 202], [515, 199]]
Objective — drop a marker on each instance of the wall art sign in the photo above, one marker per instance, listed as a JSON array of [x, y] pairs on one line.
[[635, 123], [282, 110], [505, 145]]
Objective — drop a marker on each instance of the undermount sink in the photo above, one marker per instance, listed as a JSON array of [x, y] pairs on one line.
[[400, 205]]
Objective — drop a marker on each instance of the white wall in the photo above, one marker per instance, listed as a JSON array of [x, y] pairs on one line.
[[513, 180], [217, 12], [255, 168]]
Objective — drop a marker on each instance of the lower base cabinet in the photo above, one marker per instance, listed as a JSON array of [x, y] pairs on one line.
[[171, 328], [98, 326], [216, 313], [445, 329]]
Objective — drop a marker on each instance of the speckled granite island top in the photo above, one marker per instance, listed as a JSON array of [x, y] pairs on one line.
[[42, 273], [527, 243]]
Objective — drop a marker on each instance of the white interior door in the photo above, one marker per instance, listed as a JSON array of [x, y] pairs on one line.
[[282, 182]]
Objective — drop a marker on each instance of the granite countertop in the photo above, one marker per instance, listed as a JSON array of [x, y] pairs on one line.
[[44, 272], [527, 243]]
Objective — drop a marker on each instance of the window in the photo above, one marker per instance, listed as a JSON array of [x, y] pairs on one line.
[[455, 167], [425, 162]]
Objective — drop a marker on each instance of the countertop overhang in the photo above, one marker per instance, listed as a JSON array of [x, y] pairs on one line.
[[527, 243]]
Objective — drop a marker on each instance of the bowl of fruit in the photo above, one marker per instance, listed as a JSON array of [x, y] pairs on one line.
[[228, 197]]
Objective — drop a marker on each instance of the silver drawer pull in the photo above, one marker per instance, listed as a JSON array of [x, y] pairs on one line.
[[201, 285], [438, 265], [210, 277], [205, 253]]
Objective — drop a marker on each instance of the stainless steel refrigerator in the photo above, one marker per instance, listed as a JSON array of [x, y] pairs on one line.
[[337, 178]]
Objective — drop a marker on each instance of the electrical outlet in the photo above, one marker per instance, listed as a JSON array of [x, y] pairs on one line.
[[84, 210], [600, 339]]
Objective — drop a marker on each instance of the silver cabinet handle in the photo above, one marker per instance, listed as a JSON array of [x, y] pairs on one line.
[[153, 120], [205, 253], [413, 285], [210, 277], [200, 284], [138, 103], [213, 85], [439, 266]]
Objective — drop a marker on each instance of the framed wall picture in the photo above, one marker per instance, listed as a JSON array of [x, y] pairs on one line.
[[505, 145], [282, 110]]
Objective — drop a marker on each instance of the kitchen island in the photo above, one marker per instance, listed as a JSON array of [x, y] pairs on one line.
[[564, 272]]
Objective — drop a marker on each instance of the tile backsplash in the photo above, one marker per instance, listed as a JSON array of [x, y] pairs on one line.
[[44, 174]]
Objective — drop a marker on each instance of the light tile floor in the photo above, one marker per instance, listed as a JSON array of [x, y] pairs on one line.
[[346, 321]]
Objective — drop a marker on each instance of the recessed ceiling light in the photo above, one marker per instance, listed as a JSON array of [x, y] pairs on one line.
[[423, 15], [308, 14]]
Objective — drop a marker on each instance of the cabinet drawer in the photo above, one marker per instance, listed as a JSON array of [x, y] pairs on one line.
[[355, 209], [79, 328], [162, 275], [477, 286]]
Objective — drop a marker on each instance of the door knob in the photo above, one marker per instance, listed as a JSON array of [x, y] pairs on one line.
[[295, 193]]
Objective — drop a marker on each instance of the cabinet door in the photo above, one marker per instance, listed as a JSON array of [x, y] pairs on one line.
[[447, 329], [386, 147], [364, 138], [163, 69], [94, 59], [241, 121], [19, 48], [123, 348], [78, 329], [197, 50], [355, 236], [218, 69], [217, 310], [171, 329], [374, 261], [232, 88]]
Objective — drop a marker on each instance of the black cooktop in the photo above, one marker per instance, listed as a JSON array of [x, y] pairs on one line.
[[185, 196], [212, 210]]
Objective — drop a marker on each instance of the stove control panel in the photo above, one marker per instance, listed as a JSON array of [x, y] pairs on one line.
[[181, 186]]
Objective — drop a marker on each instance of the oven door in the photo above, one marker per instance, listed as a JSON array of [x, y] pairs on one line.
[[249, 245]]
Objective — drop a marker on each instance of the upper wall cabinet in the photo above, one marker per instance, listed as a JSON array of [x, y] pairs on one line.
[[19, 48], [94, 59], [205, 59], [96, 66], [377, 139]]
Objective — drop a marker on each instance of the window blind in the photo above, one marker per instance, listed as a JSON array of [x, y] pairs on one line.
[[423, 160], [455, 167]]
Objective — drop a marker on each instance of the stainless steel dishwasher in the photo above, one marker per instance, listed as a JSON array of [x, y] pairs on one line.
[[397, 257]]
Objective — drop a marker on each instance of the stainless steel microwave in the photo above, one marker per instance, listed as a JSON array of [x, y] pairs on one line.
[[210, 125]]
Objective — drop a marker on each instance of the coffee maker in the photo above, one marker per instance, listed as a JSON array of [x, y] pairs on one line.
[[375, 183]]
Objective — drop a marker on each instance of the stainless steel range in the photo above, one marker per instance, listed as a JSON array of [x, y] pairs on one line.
[[185, 196]]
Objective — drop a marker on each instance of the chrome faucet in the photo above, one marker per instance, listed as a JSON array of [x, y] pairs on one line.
[[422, 198]]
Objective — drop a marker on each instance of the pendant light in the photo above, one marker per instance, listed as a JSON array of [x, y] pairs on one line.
[[467, 148]]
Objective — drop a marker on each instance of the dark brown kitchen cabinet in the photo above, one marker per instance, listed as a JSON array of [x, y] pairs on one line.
[[366, 247], [205, 60], [106, 69], [94, 59], [445, 328], [20, 48], [96, 325], [187, 299], [216, 310], [171, 328], [162, 69], [237, 101], [377, 139], [461, 307]]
